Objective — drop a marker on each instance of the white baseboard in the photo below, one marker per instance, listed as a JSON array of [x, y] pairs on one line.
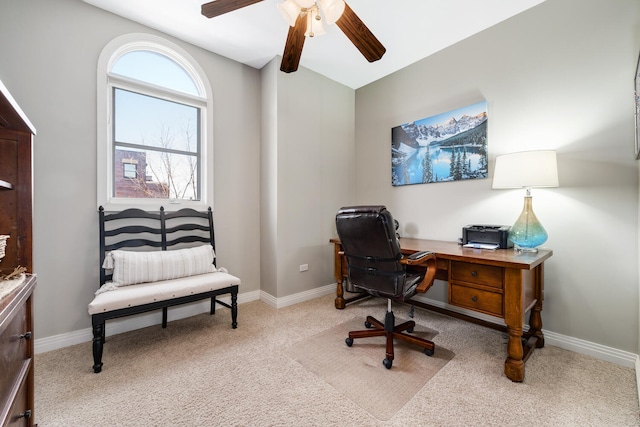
[[638, 373], [130, 323], [602, 352], [297, 298], [599, 351]]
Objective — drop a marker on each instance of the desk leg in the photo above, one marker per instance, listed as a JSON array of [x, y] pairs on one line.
[[535, 318], [514, 365]]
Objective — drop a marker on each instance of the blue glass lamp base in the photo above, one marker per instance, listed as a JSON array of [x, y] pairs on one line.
[[527, 233]]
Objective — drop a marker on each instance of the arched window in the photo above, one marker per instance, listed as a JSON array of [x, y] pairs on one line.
[[154, 116]]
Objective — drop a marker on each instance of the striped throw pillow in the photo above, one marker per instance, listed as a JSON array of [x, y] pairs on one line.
[[132, 267]]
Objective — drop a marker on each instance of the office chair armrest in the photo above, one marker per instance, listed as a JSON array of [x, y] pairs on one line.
[[428, 261]]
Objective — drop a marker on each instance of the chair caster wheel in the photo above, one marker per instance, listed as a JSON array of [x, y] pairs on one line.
[[349, 342], [429, 352], [410, 330], [387, 363], [367, 325]]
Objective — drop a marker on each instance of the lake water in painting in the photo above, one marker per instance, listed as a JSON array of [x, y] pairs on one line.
[[440, 159]]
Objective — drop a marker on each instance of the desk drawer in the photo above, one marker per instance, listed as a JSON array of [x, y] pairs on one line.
[[476, 299], [487, 275]]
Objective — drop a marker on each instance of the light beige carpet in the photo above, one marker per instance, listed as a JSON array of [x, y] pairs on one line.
[[358, 372], [201, 373]]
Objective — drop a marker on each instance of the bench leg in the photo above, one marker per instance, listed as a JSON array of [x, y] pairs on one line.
[[234, 309], [213, 306], [98, 340], [164, 317]]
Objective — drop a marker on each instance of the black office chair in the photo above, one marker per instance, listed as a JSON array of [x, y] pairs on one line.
[[377, 266]]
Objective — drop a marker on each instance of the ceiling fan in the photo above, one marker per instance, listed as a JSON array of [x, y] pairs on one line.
[[305, 19]]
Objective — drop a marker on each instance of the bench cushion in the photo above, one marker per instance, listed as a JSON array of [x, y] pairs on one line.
[[144, 293], [133, 267]]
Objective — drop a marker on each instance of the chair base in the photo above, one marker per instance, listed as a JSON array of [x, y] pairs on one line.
[[392, 332]]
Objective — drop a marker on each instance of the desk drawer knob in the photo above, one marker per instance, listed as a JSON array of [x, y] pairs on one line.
[[474, 298], [26, 336], [474, 273]]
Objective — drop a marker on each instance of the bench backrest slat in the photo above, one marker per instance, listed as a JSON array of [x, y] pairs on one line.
[[135, 228], [131, 229], [187, 239], [132, 243]]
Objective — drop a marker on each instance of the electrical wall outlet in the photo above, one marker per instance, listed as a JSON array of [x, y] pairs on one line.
[[304, 267]]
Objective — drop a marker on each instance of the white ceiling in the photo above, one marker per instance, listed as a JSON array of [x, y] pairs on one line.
[[409, 29]]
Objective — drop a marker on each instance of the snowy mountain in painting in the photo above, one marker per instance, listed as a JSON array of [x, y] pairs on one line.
[[425, 135]]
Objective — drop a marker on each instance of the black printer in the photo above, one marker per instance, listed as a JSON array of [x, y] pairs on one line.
[[487, 234]]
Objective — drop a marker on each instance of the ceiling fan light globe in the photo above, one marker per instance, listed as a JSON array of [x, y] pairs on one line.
[[290, 11], [332, 10], [306, 4]]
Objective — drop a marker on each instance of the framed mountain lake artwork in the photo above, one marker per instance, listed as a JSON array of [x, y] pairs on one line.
[[450, 146]]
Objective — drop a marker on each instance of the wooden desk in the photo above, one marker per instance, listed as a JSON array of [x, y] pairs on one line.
[[502, 283]]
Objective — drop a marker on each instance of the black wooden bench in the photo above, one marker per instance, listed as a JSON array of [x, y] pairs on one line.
[[132, 239]]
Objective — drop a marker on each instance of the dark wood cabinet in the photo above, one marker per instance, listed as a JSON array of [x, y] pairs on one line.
[[16, 353], [16, 307]]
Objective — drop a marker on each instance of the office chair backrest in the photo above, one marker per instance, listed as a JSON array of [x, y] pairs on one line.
[[368, 237]]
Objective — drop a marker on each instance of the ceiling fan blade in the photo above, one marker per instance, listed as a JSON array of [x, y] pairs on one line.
[[294, 44], [360, 35], [220, 7]]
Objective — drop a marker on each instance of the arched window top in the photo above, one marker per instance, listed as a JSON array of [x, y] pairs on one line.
[[155, 68], [155, 126]]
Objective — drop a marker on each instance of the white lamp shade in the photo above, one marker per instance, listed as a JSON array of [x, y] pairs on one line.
[[526, 169], [332, 10], [290, 11]]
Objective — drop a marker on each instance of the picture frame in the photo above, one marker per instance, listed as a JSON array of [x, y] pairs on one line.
[[446, 147], [636, 93]]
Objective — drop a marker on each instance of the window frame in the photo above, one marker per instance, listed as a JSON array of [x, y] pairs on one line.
[[107, 81]]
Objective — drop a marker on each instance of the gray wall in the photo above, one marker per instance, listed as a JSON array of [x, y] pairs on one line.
[[558, 76], [49, 56], [316, 119], [307, 160]]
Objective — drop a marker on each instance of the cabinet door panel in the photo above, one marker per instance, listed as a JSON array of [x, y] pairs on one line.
[[20, 414], [15, 203], [13, 352]]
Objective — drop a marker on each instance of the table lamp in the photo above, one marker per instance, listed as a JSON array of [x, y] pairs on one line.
[[526, 169]]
